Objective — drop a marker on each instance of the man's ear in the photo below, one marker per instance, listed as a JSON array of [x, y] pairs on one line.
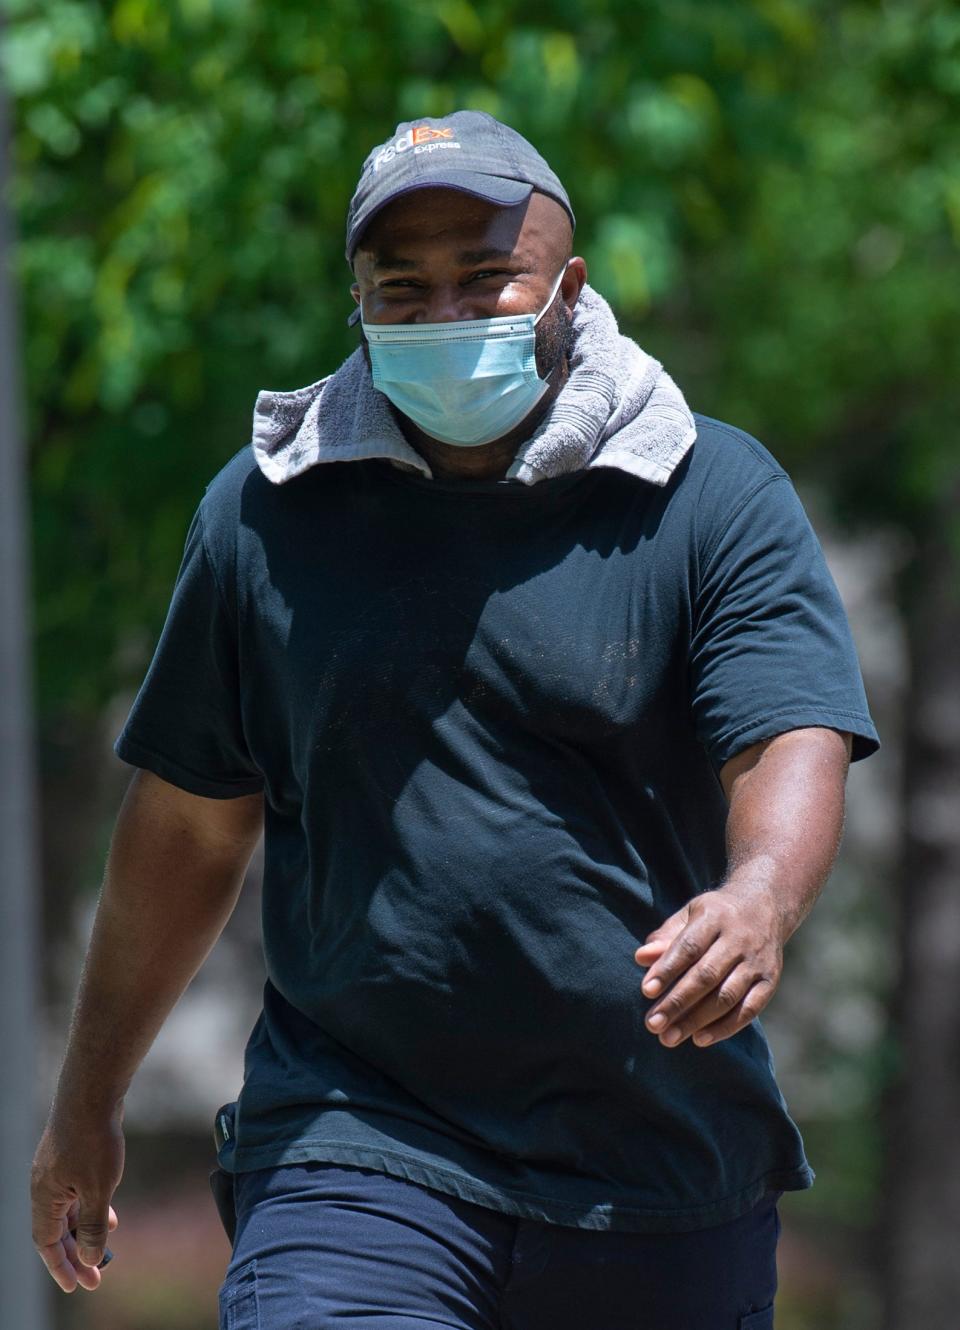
[[574, 280], [355, 292]]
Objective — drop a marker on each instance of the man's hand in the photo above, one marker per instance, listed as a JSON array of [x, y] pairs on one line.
[[717, 963], [75, 1172]]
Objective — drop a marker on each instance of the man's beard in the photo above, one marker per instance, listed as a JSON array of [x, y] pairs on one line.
[[555, 340]]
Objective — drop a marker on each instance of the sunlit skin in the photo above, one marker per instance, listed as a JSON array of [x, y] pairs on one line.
[[439, 256]]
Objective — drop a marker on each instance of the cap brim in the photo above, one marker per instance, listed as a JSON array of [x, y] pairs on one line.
[[494, 189]]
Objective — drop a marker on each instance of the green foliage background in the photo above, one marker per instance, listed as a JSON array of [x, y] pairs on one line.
[[767, 191]]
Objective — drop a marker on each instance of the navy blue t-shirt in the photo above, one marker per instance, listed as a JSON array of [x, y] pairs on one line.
[[488, 719]]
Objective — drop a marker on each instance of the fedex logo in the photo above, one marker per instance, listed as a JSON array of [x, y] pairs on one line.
[[422, 138]]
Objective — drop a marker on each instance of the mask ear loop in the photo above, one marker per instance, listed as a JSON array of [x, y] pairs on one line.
[[556, 287], [553, 294]]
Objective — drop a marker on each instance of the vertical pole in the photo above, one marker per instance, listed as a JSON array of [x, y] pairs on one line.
[[23, 1292]]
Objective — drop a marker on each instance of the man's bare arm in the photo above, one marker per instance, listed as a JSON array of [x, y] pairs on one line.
[[173, 875], [715, 964]]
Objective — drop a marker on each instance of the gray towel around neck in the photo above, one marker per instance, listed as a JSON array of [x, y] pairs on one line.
[[618, 408]]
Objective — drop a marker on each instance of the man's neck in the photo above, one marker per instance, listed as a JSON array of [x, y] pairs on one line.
[[486, 461]]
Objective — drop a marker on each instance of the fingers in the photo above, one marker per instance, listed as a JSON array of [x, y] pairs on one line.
[[650, 951], [661, 937], [87, 1277], [52, 1216], [724, 1011], [685, 948], [657, 943], [61, 1227], [698, 998], [91, 1231], [63, 1262], [55, 1258], [745, 1011]]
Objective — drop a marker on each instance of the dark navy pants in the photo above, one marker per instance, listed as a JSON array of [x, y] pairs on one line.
[[318, 1246]]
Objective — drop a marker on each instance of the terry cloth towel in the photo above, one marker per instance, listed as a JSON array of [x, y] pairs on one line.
[[619, 408]]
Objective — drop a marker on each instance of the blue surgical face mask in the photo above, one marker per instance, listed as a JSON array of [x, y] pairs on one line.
[[465, 383]]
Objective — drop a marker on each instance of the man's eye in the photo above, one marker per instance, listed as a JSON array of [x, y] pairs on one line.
[[488, 272]]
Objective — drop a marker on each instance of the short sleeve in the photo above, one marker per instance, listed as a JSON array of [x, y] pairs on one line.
[[771, 649], [186, 725]]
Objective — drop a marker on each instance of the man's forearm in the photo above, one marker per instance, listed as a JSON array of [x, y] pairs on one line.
[[167, 893], [785, 822], [174, 871]]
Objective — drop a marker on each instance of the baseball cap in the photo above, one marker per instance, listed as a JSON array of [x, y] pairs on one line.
[[467, 150]]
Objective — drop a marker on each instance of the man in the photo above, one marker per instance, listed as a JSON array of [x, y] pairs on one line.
[[545, 698]]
